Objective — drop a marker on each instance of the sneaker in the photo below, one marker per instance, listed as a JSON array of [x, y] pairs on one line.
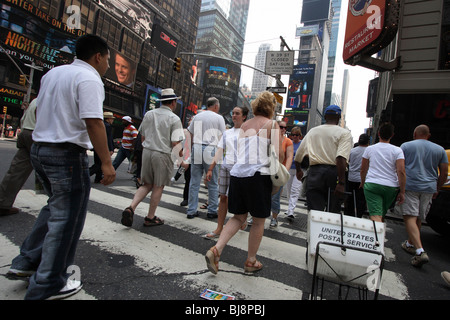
[[250, 222], [71, 287], [19, 274], [290, 216], [273, 223], [419, 260], [408, 248], [446, 276]]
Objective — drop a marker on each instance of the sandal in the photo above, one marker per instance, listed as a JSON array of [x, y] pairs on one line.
[[153, 222], [252, 266], [204, 206], [212, 260], [211, 236], [127, 217]]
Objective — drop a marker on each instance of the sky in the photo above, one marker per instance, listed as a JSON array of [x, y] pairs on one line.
[[268, 20]]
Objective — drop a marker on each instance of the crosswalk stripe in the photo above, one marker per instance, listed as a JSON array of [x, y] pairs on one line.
[[113, 237]]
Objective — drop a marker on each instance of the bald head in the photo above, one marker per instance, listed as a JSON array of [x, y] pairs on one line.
[[422, 132]]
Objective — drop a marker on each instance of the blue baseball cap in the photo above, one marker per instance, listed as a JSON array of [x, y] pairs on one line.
[[333, 109]]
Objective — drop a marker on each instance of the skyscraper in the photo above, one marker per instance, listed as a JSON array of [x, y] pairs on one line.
[[221, 34], [260, 80]]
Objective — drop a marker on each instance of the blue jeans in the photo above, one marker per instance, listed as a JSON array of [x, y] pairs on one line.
[[275, 204], [201, 158], [121, 155], [50, 247]]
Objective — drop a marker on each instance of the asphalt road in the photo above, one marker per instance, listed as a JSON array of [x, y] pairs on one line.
[[166, 263]]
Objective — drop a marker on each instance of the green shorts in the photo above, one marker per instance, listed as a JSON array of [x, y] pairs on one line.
[[379, 198]]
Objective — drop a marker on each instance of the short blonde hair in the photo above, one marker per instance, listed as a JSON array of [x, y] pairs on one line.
[[264, 105]]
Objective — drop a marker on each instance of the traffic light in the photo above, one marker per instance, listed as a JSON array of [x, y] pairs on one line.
[[4, 109], [23, 80], [177, 65]]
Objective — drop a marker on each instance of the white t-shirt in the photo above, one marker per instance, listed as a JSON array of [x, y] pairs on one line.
[[382, 164], [207, 128], [68, 95]]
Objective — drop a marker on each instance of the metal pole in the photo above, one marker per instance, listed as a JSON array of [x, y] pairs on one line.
[[30, 80]]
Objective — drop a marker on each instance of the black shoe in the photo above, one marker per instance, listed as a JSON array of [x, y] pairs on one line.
[[184, 203], [192, 216], [211, 215]]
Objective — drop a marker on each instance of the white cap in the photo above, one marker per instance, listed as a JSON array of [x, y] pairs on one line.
[[127, 118]]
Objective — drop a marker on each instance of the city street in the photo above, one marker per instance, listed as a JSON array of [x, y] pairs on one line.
[[167, 262]]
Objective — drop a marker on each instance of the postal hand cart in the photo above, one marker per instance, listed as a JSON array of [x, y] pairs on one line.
[[345, 250]]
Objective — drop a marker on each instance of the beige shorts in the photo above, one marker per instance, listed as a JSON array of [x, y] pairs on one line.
[[157, 168], [417, 204]]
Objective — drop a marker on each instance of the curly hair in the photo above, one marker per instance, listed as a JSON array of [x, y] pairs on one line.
[[264, 105]]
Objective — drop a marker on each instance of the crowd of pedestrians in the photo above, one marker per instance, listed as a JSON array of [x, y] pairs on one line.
[[235, 164]]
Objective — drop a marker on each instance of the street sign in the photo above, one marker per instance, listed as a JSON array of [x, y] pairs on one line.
[[279, 62], [277, 89], [278, 98]]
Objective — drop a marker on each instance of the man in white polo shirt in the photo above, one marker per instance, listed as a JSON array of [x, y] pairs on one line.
[[206, 130], [69, 121]]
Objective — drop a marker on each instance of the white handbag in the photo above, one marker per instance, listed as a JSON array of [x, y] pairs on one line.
[[278, 172]]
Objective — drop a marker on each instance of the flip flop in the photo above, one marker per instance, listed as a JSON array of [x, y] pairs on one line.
[[212, 260], [127, 217], [204, 206], [211, 236], [252, 266]]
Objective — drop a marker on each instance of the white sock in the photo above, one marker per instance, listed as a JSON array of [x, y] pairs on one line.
[[419, 251], [409, 245]]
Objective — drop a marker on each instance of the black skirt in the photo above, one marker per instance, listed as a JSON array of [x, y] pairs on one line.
[[250, 194]]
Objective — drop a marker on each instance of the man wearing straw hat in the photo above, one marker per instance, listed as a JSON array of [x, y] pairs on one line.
[[161, 131]]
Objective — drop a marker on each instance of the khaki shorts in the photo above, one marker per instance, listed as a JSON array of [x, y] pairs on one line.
[[157, 168], [417, 204]]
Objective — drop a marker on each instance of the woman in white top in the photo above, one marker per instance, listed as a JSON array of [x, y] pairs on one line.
[[250, 184], [226, 152], [383, 174]]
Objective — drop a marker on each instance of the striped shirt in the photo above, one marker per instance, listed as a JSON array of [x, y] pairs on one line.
[[129, 135]]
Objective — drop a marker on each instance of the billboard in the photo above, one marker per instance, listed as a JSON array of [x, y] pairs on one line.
[[221, 80], [297, 118], [164, 41], [33, 38], [315, 10], [132, 13], [300, 87], [122, 70], [371, 26]]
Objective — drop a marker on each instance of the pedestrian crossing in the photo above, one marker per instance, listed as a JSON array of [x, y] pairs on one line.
[[177, 249]]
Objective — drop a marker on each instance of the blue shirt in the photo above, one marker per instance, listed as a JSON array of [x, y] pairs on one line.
[[422, 159], [295, 145]]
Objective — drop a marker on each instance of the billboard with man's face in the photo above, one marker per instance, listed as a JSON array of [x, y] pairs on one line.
[[122, 70]]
